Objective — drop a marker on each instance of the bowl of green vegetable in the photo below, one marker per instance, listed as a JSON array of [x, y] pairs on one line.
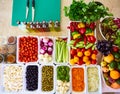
[[110, 29]]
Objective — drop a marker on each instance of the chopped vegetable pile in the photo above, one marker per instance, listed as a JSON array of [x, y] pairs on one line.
[[32, 77], [92, 77], [47, 78], [61, 50], [63, 73], [46, 49], [78, 84], [63, 79]]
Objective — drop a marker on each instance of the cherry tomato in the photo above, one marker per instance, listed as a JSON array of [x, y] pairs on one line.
[[78, 49], [80, 62], [73, 52], [95, 52], [93, 62], [90, 50], [115, 49], [83, 50]]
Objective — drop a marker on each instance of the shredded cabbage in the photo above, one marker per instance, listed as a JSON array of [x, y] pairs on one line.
[[93, 79]]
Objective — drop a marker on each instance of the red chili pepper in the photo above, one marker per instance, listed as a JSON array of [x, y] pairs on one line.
[[85, 40], [76, 41]]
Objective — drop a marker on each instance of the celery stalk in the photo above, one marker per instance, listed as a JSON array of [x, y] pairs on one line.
[[56, 50], [60, 58], [67, 56], [64, 53]]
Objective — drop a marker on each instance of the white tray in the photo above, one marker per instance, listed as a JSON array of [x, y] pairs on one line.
[[17, 52], [47, 92], [41, 61], [69, 91], [2, 88], [61, 63], [99, 76], [84, 91], [25, 89]]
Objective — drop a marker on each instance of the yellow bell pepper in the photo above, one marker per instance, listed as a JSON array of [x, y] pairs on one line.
[[90, 34], [76, 36], [81, 25]]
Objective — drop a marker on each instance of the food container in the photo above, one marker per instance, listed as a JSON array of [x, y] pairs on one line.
[[11, 40], [109, 28], [45, 76], [110, 67], [11, 48], [3, 49], [77, 73], [27, 49], [1, 58], [93, 79], [61, 53], [3, 40], [0, 76], [46, 50], [11, 58], [13, 78], [63, 87], [82, 39], [31, 78], [110, 88]]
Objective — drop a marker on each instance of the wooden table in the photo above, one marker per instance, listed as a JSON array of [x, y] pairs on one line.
[[6, 29]]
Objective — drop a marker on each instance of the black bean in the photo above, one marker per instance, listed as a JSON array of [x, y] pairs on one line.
[[32, 77]]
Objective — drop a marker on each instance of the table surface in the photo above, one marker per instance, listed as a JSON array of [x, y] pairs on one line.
[[6, 29]]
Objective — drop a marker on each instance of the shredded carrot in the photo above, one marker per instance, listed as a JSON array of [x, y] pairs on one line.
[[78, 79]]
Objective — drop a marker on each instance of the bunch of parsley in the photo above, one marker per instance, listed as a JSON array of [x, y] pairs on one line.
[[91, 12]]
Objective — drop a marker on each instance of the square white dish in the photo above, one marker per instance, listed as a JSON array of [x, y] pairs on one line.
[[84, 90], [50, 91], [94, 73], [45, 44], [18, 43]]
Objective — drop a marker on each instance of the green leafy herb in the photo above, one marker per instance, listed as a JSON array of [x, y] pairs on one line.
[[80, 11]]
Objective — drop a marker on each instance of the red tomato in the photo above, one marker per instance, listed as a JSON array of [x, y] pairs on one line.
[[83, 50], [94, 51], [93, 62], [80, 62], [73, 52], [78, 49], [90, 50], [115, 49]]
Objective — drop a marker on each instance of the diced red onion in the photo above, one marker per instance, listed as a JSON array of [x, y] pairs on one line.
[[50, 43], [44, 48], [45, 40], [50, 53], [42, 51], [50, 49]]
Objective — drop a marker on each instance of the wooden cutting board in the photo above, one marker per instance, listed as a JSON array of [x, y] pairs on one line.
[[45, 10]]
